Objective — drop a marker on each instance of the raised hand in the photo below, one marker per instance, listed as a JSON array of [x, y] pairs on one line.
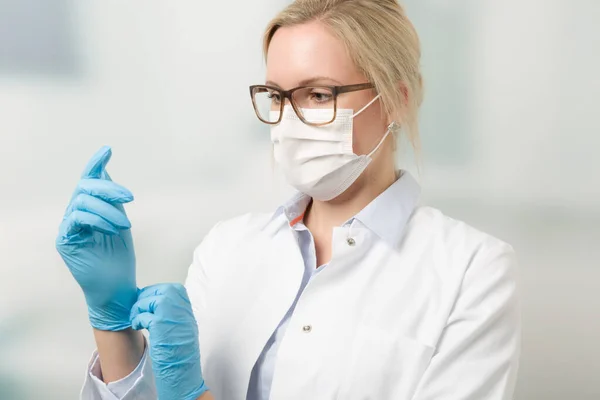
[[95, 243]]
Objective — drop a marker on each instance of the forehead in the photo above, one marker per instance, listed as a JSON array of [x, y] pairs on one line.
[[302, 52]]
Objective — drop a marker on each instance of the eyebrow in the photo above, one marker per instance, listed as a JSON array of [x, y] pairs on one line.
[[311, 81]]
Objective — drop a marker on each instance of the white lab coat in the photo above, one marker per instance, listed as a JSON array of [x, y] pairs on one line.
[[435, 317]]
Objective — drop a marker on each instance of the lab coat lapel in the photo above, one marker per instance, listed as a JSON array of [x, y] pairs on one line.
[[281, 268]]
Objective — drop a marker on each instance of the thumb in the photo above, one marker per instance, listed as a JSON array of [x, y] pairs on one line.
[[142, 321], [96, 167]]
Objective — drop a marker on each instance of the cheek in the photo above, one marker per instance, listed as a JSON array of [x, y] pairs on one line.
[[368, 129]]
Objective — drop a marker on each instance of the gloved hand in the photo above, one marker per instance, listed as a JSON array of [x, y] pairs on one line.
[[95, 243], [165, 311]]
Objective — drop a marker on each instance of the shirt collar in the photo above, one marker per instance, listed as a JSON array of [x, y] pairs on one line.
[[386, 215], [294, 208]]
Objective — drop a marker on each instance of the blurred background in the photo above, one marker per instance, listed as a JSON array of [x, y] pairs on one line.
[[510, 135]]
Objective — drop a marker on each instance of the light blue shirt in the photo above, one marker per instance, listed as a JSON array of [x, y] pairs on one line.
[[386, 216]]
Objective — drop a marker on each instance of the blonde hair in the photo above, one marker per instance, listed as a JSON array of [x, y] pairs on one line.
[[381, 41]]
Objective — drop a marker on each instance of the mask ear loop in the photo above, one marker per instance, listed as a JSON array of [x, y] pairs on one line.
[[390, 128], [365, 107]]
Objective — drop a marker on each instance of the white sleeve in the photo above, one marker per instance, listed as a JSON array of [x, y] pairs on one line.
[[199, 285], [198, 279], [477, 356], [138, 385]]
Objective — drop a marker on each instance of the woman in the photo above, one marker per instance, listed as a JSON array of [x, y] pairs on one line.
[[351, 290]]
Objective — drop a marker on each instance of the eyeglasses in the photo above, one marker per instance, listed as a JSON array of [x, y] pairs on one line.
[[268, 102]]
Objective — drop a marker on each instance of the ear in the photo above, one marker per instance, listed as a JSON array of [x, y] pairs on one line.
[[402, 88]]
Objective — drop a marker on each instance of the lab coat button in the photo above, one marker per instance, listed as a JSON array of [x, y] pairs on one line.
[[306, 328], [350, 241]]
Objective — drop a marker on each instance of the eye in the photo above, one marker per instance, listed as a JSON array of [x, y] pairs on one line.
[[274, 96], [320, 96]]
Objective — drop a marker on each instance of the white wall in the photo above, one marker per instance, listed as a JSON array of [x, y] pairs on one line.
[[531, 96]]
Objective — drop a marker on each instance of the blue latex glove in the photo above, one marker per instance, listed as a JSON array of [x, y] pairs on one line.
[[165, 311], [95, 243]]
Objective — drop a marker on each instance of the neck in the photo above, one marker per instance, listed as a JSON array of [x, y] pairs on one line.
[[322, 216]]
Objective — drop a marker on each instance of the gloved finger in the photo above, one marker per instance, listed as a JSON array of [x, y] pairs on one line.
[[160, 289], [79, 220], [142, 321], [96, 167], [105, 190], [145, 305], [91, 204]]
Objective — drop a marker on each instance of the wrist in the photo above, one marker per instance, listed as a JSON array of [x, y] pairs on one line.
[[101, 324], [200, 393], [112, 316], [206, 396], [119, 352]]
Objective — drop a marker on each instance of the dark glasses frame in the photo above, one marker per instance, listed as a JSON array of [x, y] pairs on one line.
[[288, 94]]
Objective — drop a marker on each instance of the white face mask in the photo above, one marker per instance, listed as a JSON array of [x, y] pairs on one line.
[[319, 160]]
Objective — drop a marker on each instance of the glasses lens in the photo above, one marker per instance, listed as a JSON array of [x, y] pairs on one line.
[[267, 103], [316, 104]]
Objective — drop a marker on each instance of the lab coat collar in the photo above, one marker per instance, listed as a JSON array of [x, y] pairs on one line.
[[386, 215]]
